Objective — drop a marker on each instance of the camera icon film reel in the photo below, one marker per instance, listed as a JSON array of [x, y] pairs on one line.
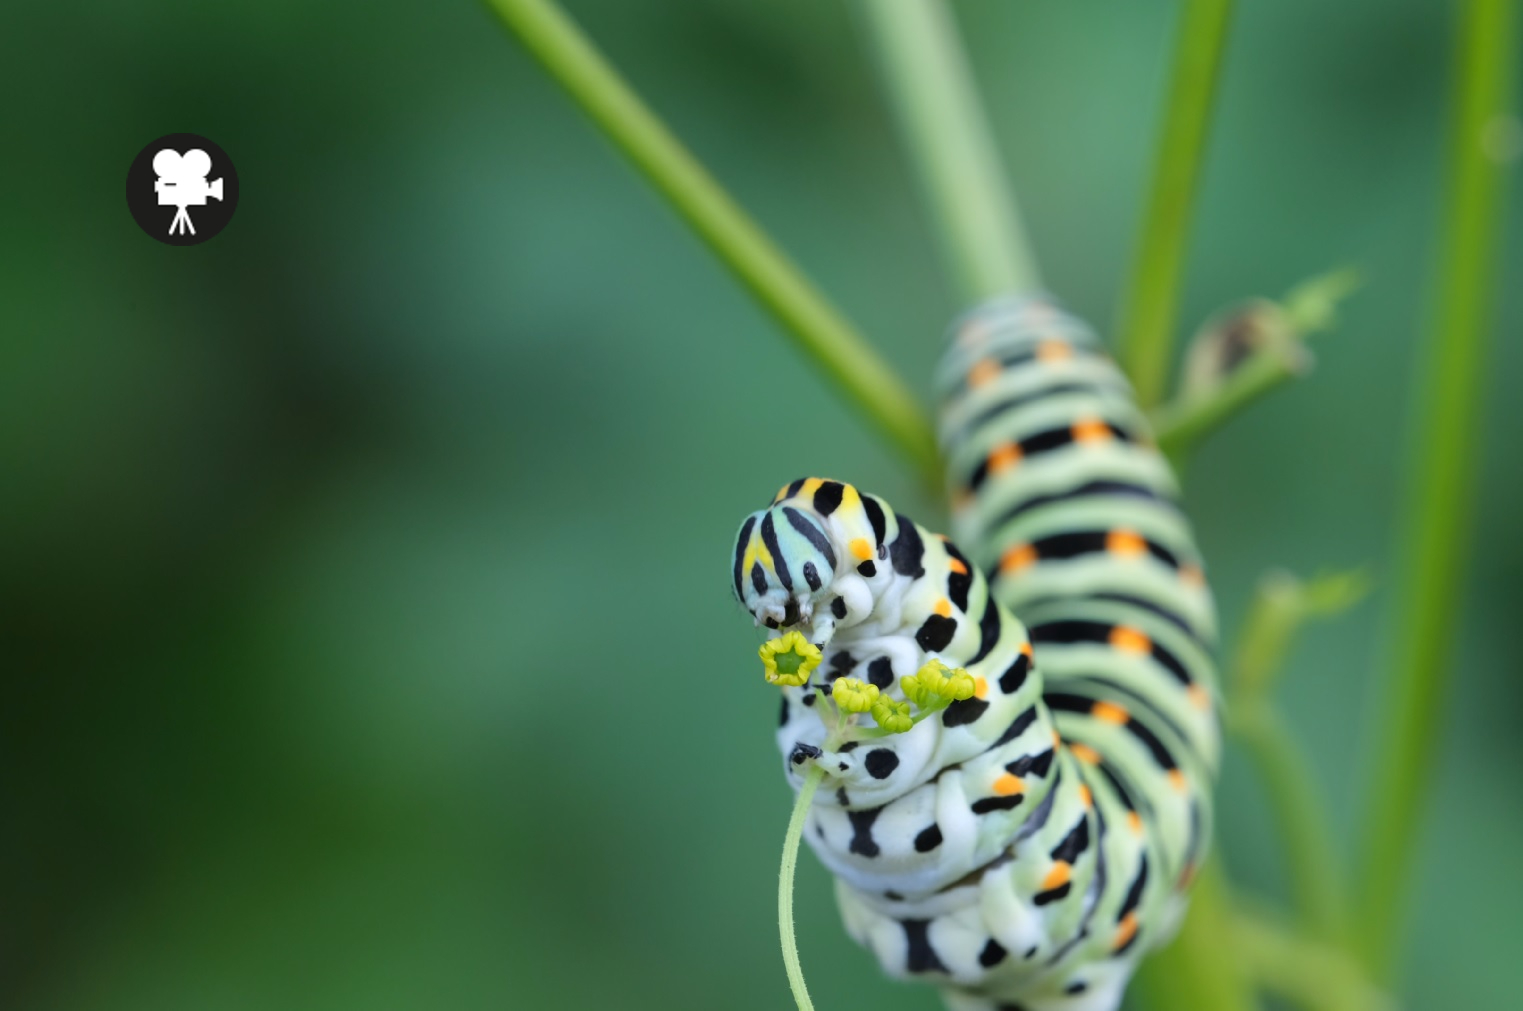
[[190, 175]]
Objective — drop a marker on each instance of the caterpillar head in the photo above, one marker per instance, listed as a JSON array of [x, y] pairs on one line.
[[784, 565]]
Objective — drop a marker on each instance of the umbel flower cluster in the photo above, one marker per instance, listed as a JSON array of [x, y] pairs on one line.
[[790, 659]]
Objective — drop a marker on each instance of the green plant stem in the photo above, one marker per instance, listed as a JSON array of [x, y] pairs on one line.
[[1310, 857], [1180, 425], [1149, 306], [1280, 607], [1273, 618], [947, 133], [1200, 969], [819, 329], [1439, 500], [1280, 355], [785, 887], [1310, 973]]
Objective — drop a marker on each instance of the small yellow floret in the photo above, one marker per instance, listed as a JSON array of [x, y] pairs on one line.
[[892, 716], [960, 685], [789, 659], [936, 684], [854, 696]]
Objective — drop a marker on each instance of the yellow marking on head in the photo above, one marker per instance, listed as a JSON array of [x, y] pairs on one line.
[[983, 372], [851, 499], [1085, 754], [809, 487], [956, 565], [756, 550], [1017, 557], [861, 548], [980, 688], [1025, 651], [1090, 430], [1059, 876], [1087, 798], [1009, 784], [1178, 781], [943, 607], [764, 556], [1199, 697], [1109, 712], [1052, 350], [1134, 821], [1125, 544], [1125, 932], [1130, 640]]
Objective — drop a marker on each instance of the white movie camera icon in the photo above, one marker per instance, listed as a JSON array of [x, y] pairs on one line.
[[182, 183]]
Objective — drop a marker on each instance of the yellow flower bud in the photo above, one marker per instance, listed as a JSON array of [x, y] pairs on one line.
[[920, 687], [960, 685], [936, 684], [789, 659], [854, 696], [892, 716]]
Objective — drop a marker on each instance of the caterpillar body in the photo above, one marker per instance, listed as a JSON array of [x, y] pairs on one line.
[[1024, 847]]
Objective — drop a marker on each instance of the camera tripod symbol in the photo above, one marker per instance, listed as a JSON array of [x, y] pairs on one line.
[[182, 183]]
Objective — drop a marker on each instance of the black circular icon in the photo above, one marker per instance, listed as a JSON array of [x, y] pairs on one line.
[[182, 189]]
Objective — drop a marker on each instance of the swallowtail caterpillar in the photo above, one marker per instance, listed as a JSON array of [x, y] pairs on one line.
[[1033, 833]]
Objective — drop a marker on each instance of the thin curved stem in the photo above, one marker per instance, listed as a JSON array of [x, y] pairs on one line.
[[1310, 857], [1308, 308], [947, 134], [1439, 510], [1152, 295], [816, 326], [1179, 425], [1281, 607], [1200, 968], [785, 887], [1308, 972]]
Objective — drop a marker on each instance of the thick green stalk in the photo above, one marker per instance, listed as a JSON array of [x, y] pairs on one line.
[[785, 887], [1152, 295], [819, 329], [1439, 501], [1200, 968], [947, 133]]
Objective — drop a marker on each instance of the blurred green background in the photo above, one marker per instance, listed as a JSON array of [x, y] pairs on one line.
[[364, 570]]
